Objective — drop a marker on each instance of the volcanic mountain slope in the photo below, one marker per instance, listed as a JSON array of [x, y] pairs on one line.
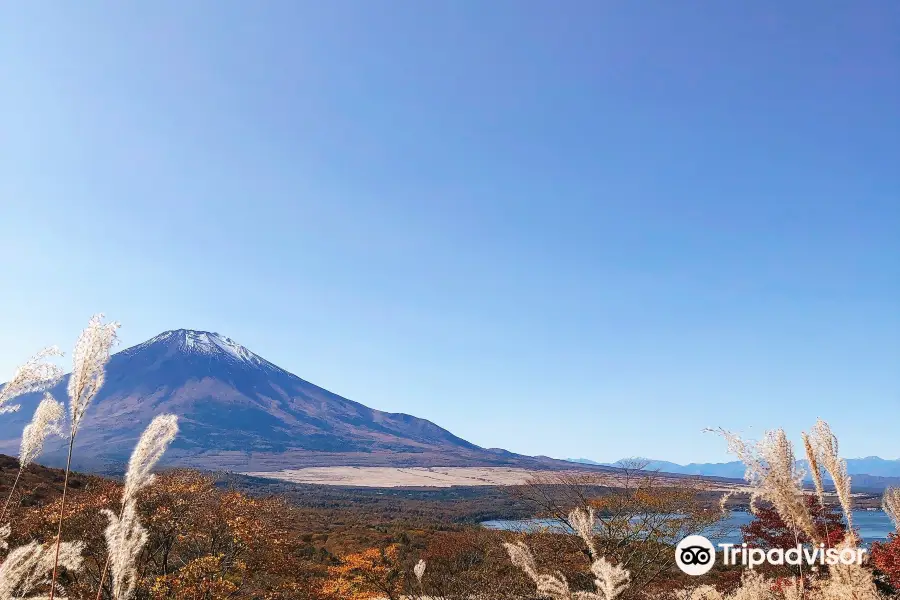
[[238, 411]]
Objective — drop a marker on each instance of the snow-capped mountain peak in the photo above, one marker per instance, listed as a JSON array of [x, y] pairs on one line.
[[203, 343], [209, 342]]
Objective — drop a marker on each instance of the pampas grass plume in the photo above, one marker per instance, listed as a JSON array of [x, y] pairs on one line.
[[47, 420], [814, 468], [125, 537], [611, 580], [419, 570], [890, 502], [827, 451], [773, 473], [34, 376], [582, 521], [89, 359], [150, 448], [27, 566], [520, 556]]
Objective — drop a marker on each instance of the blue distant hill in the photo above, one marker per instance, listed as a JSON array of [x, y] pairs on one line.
[[864, 469]]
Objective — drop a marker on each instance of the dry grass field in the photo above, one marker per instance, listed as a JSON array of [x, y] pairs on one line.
[[401, 476], [387, 477]]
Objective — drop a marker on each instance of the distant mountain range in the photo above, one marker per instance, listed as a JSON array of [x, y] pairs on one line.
[[731, 470], [239, 411], [871, 471]]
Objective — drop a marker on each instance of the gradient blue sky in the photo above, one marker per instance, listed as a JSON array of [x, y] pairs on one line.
[[570, 228]]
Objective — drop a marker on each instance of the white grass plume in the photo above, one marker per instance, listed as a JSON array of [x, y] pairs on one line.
[[552, 586], [150, 448], [89, 360], [47, 420], [419, 570], [611, 580], [846, 582], [582, 521], [772, 471], [814, 468], [34, 376], [27, 567], [520, 556], [125, 537], [890, 502], [753, 587], [723, 503], [703, 592], [825, 444]]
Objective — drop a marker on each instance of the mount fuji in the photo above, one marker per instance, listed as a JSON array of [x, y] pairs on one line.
[[238, 411]]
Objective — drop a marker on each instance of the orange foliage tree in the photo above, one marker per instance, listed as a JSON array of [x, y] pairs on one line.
[[372, 573], [203, 543]]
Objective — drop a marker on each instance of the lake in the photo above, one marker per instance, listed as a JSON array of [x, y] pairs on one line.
[[873, 526]]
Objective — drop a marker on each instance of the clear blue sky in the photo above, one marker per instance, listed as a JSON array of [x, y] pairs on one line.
[[570, 228]]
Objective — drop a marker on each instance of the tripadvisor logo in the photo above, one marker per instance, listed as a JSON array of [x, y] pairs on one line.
[[695, 555]]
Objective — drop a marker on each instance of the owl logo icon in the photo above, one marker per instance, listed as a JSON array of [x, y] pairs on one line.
[[695, 555]]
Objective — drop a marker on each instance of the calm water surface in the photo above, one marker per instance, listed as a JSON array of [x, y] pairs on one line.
[[873, 526]]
